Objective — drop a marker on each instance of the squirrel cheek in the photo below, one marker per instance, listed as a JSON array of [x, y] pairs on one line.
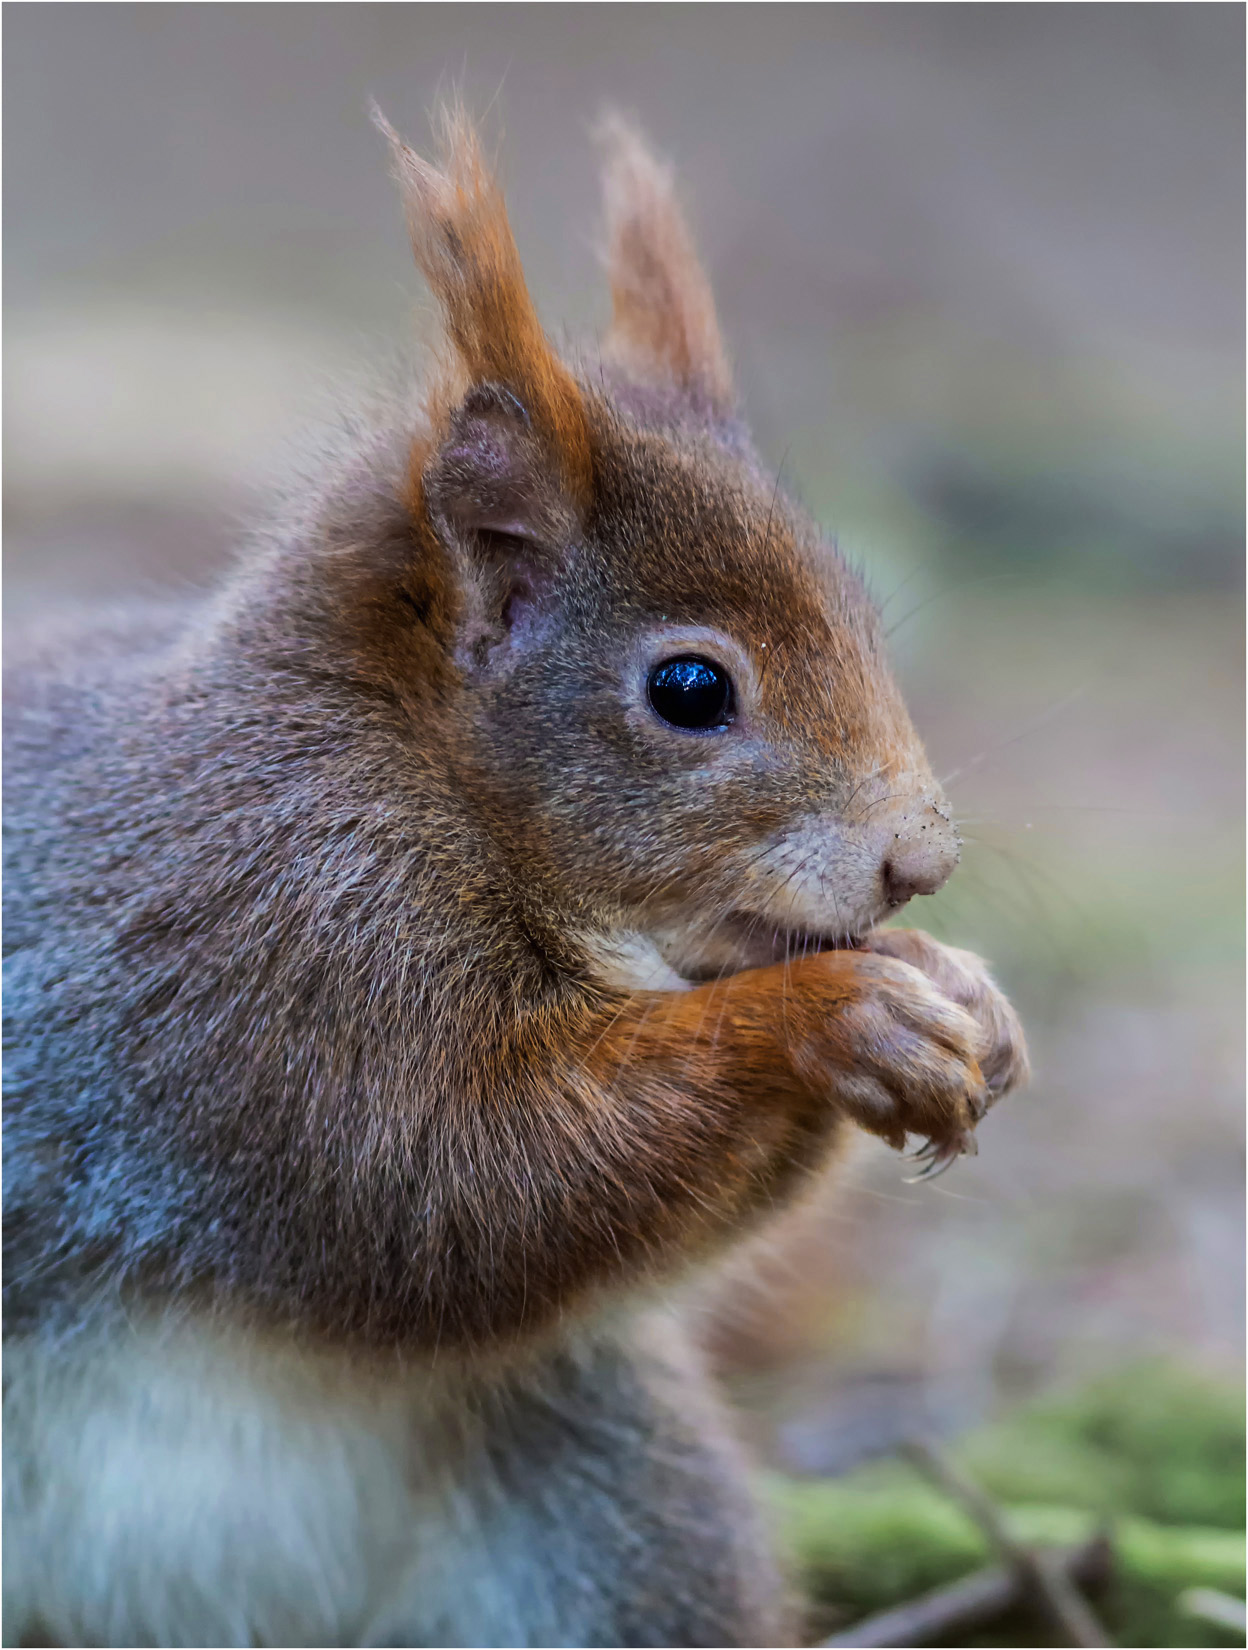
[[820, 876]]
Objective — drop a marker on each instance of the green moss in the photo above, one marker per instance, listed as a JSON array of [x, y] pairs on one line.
[[1158, 1563], [865, 1542], [1155, 1454], [1157, 1441]]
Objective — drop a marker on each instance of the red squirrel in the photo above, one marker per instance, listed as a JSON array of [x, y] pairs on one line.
[[421, 953]]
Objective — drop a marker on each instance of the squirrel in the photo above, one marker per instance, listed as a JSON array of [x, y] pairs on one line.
[[425, 950]]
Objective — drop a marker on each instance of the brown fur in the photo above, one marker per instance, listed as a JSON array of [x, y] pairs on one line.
[[384, 972], [663, 324], [463, 244]]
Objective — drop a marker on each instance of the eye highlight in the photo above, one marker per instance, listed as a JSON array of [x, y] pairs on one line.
[[692, 693]]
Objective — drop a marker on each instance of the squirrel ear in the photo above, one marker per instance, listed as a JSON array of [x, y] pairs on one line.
[[492, 498], [465, 249], [663, 324], [491, 475]]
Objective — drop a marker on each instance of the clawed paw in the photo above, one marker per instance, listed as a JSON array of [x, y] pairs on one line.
[[899, 1056], [913, 1039], [963, 977]]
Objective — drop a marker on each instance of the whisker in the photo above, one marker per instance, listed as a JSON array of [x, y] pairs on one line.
[[910, 577], [1040, 721], [957, 590]]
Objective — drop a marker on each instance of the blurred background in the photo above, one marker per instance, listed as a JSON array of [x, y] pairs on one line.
[[982, 270]]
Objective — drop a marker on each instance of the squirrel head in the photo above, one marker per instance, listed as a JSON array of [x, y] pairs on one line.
[[662, 689]]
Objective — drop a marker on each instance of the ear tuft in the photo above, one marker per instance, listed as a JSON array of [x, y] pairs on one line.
[[663, 324], [466, 251]]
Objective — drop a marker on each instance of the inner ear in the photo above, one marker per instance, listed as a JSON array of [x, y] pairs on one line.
[[492, 477], [514, 588], [495, 497]]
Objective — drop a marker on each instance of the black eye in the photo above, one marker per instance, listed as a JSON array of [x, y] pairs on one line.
[[692, 693]]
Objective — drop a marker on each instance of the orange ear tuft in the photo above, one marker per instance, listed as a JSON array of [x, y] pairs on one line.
[[663, 323], [466, 251]]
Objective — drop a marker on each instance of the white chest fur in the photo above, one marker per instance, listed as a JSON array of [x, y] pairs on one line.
[[184, 1484]]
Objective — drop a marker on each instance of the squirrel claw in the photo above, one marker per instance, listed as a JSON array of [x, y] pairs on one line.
[[941, 1161], [936, 1158]]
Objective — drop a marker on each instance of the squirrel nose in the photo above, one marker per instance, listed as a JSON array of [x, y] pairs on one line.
[[922, 856]]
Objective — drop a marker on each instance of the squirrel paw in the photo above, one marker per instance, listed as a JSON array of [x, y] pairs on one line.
[[1001, 1049], [902, 1058]]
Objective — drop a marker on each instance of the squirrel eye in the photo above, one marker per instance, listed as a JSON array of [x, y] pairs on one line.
[[691, 693]]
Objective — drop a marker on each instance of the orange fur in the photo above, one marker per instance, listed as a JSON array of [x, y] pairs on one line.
[[464, 246], [663, 323]]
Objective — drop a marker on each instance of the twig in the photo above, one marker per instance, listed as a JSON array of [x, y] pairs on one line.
[[965, 1605], [1047, 1585], [1207, 1604]]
